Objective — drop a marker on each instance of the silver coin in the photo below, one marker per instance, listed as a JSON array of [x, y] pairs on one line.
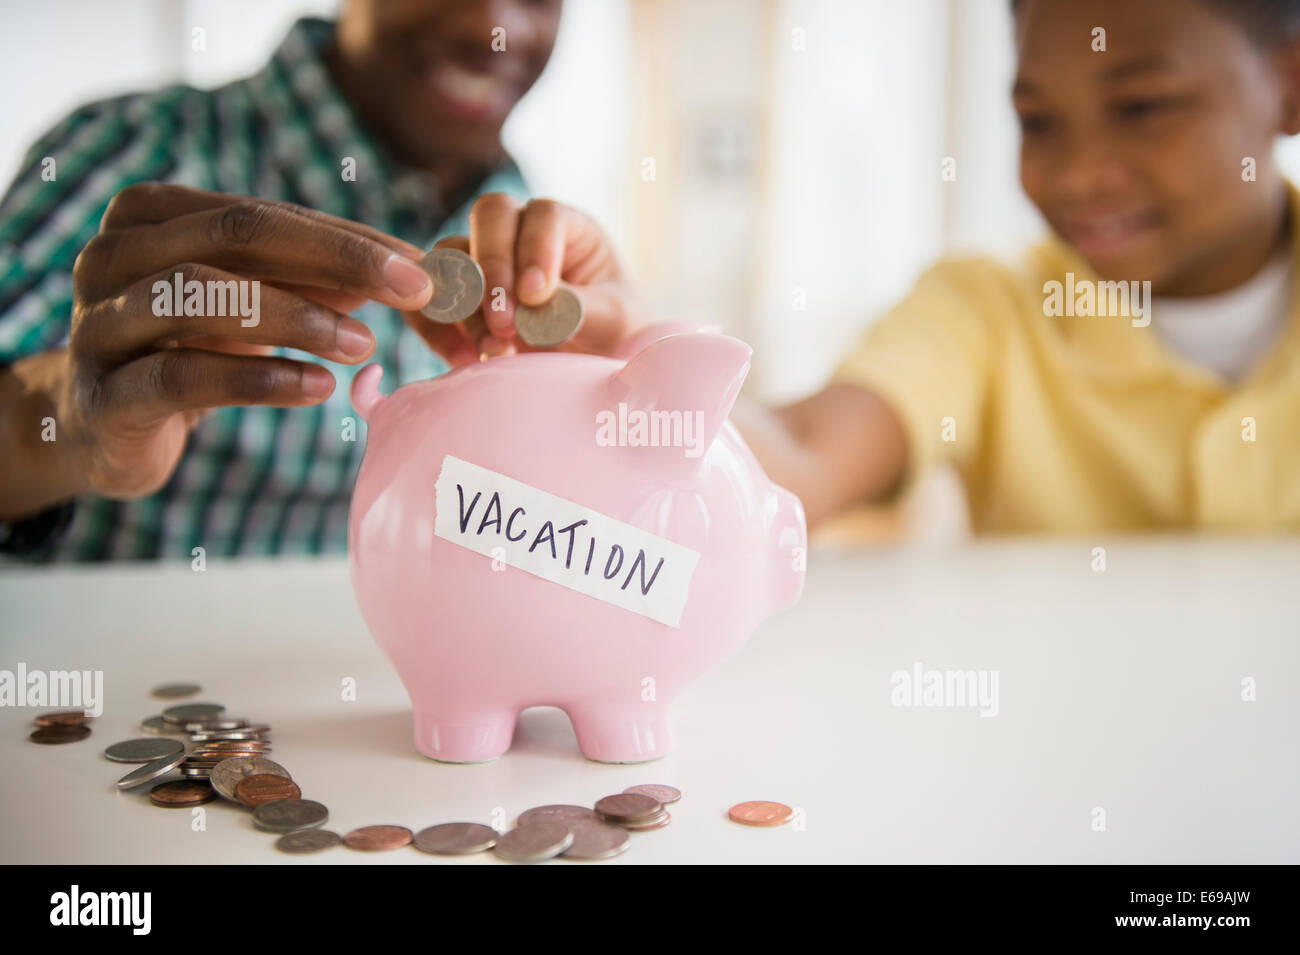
[[227, 773], [150, 771], [144, 750], [552, 323], [557, 814], [158, 725], [457, 285], [215, 724], [200, 772], [597, 841], [289, 815], [657, 821], [308, 840], [455, 838], [172, 691], [185, 712], [533, 843], [667, 795], [243, 733]]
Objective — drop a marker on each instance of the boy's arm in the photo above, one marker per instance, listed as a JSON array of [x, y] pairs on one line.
[[838, 447]]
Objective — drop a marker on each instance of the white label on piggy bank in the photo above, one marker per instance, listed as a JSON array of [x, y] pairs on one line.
[[562, 542]]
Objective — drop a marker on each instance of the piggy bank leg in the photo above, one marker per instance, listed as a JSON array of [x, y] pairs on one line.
[[464, 737], [623, 732]]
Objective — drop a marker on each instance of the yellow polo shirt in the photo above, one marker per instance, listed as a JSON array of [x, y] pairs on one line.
[[1074, 423]]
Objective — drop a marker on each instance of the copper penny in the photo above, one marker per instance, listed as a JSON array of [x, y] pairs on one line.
[[629, 807], [182, 792], [761, 813], [378, 838], [261, 788], [63, 718], [59, 734]]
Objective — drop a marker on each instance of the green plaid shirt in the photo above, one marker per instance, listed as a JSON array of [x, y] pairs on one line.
[[252, 480]]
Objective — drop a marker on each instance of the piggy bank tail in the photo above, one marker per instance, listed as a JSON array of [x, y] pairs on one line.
[[365, 390]]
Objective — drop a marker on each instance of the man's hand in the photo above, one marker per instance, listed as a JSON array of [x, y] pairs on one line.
[[131, 382], [526, 251]]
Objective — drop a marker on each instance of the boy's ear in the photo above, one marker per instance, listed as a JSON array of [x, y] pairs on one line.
[[1288, 53]]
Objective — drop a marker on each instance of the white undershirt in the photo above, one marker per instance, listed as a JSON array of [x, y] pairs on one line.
[[1229, 333]]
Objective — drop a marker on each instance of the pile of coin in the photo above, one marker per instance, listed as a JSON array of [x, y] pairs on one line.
[[227, 758], [65, 726]]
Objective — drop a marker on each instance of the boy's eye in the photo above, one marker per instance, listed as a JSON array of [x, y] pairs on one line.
[[1139, 109], [1032, 124]]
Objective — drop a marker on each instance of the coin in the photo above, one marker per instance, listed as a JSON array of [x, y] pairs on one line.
[[761, 813], [289, 815], [172, 691], [557, 813], [63, 718], [214, 724], [230, 736], [227, 773], [226, 753], [552, 323], [308, 840], [143, 750], [646, 825], [456, 838], [196, 772], [185, 712], [158, 725], [148, 772], [378, 838], [457, 285], [182, 792], [535, 842], [59, 734], [628, 807], [597, 841], [666, 795], [254, 790]]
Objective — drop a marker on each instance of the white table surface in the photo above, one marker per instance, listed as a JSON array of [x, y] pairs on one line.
[[1119, 690]]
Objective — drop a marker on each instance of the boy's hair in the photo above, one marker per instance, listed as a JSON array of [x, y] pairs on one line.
[[1266, 21]]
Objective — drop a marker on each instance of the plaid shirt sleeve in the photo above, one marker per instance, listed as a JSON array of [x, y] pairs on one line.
[[54, 206]]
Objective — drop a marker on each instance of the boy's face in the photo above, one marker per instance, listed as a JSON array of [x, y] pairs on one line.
[[1134, 155], [428, 74]]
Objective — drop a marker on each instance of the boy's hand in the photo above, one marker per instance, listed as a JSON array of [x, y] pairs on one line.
[[132, 383], [526, 251]]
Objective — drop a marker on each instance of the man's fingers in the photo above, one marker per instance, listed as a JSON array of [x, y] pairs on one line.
[[261, 240], [158, 385], [148, 203], [150, 314], [493, 225]]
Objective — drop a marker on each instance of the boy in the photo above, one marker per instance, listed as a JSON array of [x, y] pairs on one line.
[[1140, 370]]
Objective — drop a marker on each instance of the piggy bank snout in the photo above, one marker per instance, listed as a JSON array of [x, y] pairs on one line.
[[791, 531]]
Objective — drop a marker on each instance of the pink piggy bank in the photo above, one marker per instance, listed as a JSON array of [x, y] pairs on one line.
[[555, 529]]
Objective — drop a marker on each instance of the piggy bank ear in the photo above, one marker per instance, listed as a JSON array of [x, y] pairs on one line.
[[684, 383]]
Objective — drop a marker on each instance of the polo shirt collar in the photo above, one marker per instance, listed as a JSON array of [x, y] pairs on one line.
[[1112, 349]]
